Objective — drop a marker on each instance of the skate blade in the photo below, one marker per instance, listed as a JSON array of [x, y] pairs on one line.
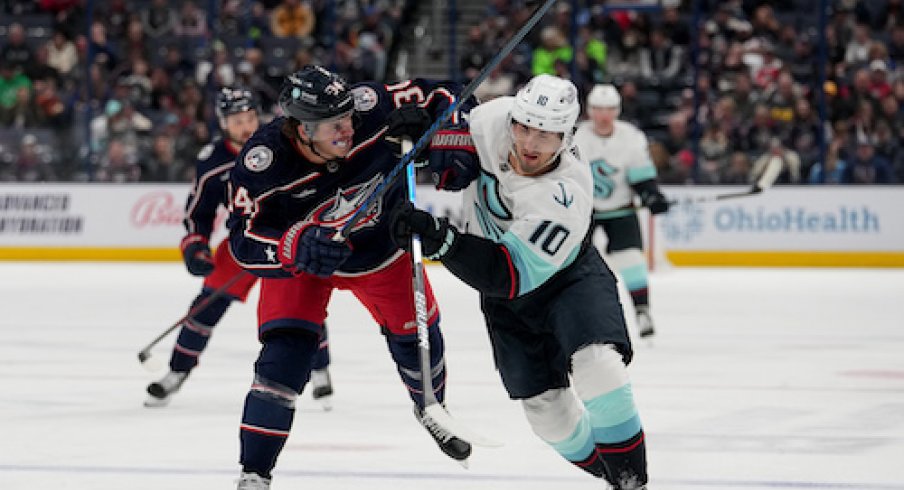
[[326, 403], [464, 463], [442, 418], [154, 402]]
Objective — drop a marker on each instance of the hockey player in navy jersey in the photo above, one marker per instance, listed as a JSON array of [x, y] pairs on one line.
[[297, 181], [550, 302], [237, 114]]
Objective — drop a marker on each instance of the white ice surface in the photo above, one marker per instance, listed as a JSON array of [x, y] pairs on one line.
[[757, 379]]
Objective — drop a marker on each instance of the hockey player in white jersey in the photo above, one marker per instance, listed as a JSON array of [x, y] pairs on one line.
[[550, 303], [621, 166]]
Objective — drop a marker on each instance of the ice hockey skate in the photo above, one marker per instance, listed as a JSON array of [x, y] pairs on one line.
[[454, 447], [645, 322], [323, 388], [253, 481], [160, 392]]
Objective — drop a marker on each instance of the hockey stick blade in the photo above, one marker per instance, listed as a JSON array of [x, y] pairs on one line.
[[770, 174], [144, 355], [150, 362], [442, 418]]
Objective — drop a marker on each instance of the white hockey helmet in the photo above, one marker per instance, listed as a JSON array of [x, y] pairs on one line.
[[604, 95], [548, 103]]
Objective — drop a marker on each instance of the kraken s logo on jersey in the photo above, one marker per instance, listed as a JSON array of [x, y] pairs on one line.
[[336, 211], [603, 181], [489, 206]]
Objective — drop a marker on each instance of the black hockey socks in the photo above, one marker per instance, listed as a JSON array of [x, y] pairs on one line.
[[405, 354], [281, 371], [195, 333], [626, 463]]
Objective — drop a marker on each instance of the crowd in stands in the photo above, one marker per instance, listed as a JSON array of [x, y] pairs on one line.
[[754, 91], [130, 99]]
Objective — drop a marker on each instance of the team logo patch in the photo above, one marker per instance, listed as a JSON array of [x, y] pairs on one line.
[[258, 158], [365, 98]]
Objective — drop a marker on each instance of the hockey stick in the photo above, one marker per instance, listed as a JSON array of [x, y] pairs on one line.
[[425, 138], [770, 173], [144, 355], [432, 407]]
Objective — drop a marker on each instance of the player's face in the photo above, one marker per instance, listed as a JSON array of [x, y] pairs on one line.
[[533, 149], [333, 138], [603, 118], [241, 125]]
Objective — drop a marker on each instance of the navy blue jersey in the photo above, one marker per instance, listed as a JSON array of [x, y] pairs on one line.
[[274, 187], [212, 169]]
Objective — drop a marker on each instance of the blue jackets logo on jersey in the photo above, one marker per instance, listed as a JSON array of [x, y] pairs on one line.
[[258, 158], [338, 210]]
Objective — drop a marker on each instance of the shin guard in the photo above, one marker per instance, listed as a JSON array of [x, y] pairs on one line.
[[632, 267], [406, 354], [195, 333], [281, 371], [602, 383], [558, 418]]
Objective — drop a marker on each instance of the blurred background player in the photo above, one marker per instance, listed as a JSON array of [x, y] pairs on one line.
[[621, 166], [298, 180], [237, 113], [551, 305]]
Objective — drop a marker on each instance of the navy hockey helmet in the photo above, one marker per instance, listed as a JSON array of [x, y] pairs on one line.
[[315, 94], [233, 100]]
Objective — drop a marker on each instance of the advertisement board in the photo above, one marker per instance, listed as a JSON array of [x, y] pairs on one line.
[[793, 226]]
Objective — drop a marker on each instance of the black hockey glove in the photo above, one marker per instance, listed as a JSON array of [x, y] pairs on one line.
[[310, 249], [408, 120], [196, 255], [437, 236], [453, 160], [651, 198]]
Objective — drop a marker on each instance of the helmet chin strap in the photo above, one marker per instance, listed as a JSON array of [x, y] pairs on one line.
[[329, 162]]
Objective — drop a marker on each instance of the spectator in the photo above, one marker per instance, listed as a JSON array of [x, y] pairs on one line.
[[49, 110], [867, 167], [661, 61], [162, 165], [292, 18], [714, 148], [738, 170], [553, 47], [674, 27], [499, 83], [34, 163], [755, 136], [878, 79], [11, 84], [16, 52], [857, 52], [191, 21], [745, 98], [159, 20], [61, 53], [118, 165], [833, 170], [805, 133]]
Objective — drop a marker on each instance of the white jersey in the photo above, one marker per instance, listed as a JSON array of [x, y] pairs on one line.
[[540, 220], [616, 162]]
